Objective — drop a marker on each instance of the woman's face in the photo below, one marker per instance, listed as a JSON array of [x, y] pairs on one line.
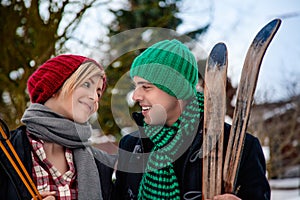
[[81, 103]]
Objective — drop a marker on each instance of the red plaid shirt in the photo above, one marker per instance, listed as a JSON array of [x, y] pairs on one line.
[[48, 178]]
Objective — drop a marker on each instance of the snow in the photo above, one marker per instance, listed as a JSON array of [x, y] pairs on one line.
[[287, 189]]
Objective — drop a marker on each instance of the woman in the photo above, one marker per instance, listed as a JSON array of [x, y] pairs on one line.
[[53, 143]]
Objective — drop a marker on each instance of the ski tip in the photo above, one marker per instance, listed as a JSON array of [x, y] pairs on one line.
[[218, 55], [267, 32]]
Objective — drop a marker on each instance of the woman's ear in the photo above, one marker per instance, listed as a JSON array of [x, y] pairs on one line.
[[55, 95]]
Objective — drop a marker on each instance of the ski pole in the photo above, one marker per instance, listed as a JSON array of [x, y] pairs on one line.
[[35, 194]]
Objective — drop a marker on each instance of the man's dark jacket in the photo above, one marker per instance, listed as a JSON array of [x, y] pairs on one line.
[[252, 183], [12, 187]]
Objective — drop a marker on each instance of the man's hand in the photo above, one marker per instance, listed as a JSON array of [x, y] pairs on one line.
[[226, 197]]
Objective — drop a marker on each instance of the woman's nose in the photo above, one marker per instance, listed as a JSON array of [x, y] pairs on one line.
[[94, 96]]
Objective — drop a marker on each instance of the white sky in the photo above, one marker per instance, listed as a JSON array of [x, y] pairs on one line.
[[237, 22]]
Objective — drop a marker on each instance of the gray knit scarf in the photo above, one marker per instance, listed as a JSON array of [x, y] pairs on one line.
[[52, 127]]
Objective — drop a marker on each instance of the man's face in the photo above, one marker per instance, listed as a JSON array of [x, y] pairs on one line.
[[158, 107]]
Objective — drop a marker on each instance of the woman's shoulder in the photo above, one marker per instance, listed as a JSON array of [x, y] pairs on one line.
[[18, 134]]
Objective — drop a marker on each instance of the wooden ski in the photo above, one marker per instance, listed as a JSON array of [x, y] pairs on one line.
[[214, 116], [246, 90]]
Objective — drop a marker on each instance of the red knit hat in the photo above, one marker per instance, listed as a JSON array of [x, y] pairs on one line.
[[51, 75]]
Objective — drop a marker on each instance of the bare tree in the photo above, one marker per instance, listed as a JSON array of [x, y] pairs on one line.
[[29, 36], [277, 125]]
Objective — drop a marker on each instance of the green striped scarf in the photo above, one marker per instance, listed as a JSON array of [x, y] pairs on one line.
[[160, 181]]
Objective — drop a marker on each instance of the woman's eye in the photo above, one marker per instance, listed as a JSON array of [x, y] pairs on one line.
[[86, 84]]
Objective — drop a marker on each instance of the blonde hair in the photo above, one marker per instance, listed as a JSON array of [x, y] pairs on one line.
[[84, 71]]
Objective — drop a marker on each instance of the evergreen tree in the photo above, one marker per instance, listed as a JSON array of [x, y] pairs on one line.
[[137, 25]]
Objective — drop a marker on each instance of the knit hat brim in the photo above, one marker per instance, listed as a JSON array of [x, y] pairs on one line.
[[50, 76], [170, 66], [165, 76]]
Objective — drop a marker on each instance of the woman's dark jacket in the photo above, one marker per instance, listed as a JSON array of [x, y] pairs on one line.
[[252, 183], [11, 186]]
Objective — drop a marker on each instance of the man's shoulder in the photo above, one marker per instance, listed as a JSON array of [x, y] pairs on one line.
[[136, 140], [227, 132], [131, 136], [130, 139]]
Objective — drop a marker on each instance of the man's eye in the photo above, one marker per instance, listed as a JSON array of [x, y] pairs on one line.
[[146, 87]]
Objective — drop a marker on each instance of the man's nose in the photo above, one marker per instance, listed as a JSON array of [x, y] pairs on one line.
[[137, 94]]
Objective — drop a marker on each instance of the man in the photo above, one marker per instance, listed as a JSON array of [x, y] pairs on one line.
[[163, 160]]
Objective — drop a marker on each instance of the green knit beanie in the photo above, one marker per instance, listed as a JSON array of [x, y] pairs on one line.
[[170, 66]]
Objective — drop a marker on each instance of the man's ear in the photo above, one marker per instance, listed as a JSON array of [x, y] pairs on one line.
[[182, 103]]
